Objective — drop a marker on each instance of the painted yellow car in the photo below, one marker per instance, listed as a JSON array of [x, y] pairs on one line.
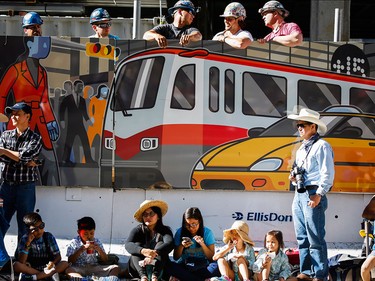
[[263, 161]]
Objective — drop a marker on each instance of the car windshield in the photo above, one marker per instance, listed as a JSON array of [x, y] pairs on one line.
[[342, 126]]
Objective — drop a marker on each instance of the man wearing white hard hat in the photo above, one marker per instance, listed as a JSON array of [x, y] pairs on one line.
[[312, 174], [234, 19], [288, 34]]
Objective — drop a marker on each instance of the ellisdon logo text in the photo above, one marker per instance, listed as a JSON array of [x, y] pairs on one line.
[[261, 216]]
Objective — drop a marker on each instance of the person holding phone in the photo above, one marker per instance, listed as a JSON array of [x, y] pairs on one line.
[[194, 249]]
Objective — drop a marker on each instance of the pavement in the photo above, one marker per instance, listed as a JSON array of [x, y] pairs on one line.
[[118, 248]]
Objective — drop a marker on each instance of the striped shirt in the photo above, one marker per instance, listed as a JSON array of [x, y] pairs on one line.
[[284, 29], [28, 145]]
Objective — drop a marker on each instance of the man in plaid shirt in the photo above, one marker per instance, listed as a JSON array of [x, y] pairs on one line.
[[19, 149]]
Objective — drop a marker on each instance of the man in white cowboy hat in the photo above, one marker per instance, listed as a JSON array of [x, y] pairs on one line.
[[234, 19], [288, 34], [313, 174]]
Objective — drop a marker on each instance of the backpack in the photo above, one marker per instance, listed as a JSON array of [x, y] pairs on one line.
[[344, 267]]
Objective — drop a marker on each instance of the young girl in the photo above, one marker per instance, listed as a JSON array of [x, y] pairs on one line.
[[194, 249], [235, 259], [272, 263]]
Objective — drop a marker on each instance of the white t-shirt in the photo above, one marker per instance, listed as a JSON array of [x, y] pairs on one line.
[[240, 34]]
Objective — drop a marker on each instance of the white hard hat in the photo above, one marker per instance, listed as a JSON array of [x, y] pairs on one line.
[[234, 9], [274, 6]]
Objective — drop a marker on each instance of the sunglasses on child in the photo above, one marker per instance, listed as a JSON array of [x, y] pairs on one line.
[[35, 228]]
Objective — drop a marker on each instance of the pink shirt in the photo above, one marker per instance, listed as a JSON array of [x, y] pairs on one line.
[[285, 29]]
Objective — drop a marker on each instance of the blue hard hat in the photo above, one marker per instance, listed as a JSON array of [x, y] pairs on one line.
[[31, 18], [184, 4], [99, 14]]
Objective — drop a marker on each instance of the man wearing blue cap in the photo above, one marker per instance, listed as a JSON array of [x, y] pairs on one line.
[[19, 149], [32, 24], [183, 13]]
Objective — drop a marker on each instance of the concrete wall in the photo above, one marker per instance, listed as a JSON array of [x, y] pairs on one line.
[[60, 208], [322, 19]]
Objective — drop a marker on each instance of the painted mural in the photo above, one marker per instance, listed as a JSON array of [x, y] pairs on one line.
[[126, 114]]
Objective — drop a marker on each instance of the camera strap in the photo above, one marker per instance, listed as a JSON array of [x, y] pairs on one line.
[[309, 146]]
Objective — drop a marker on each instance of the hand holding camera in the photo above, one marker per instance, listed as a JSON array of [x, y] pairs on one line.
[[297, 174]]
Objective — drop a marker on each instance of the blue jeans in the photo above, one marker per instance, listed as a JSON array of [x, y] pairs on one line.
[[309, 226], [4, 257], [185, 273], [20, 198]]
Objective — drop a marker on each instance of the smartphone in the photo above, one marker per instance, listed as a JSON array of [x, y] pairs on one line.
[[186, 239]]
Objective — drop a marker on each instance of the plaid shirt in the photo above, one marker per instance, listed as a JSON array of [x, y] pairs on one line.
[[38, 249], [28, 146], [84, 259]]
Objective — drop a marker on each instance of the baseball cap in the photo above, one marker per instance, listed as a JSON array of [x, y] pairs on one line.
[[19, 106]]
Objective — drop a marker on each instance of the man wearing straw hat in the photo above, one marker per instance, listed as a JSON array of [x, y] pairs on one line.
[[312, 174]]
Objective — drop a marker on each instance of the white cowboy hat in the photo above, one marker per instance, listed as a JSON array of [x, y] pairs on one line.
[[148, 204], [242, 229], [311, 116]]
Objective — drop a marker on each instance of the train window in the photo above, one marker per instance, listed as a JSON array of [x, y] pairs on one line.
[[183, 96], [318, 96], [263, 95], [363, 99], [229, 91], [214, 89], [137, 84]]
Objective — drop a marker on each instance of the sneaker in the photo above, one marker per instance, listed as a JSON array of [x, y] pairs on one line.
[[25, 277], [55, 277]]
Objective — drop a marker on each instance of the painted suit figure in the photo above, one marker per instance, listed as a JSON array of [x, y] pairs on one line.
[[26, 81], [75, 107]]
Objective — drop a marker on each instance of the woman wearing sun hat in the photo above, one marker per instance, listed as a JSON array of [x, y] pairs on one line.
[[315, 167], [237, 257], [150, 242]]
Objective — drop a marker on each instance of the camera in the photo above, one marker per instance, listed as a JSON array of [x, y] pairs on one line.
[[297, 173]]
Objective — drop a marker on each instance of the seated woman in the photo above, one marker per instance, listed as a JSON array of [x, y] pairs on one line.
[[194, 249], [150, 242]]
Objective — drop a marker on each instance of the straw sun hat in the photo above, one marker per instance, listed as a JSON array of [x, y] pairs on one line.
[[148, 204], [311, 116], [243, 231]]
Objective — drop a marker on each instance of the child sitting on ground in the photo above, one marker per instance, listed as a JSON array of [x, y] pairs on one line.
[[38, 253], [272, 263], [83, 253], [235, 259]]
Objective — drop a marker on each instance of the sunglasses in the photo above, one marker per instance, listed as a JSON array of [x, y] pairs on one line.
[[230, 18], [302, 125], [41, 226], [149, 214], [192, 225], [191, 12], [104, 25], [33, 27]]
